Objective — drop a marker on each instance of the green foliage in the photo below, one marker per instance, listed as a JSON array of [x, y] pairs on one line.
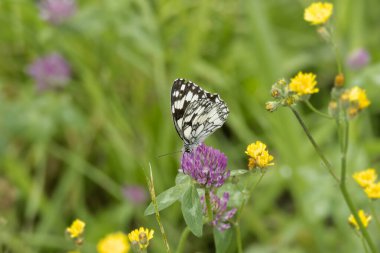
[[171, 195], [192, 211], [223, 240]]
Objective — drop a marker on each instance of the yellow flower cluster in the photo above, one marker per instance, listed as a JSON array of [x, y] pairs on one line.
[[303, 84], [367, 180], [351, 100], [258, 155], [365, 219], [114, 243], [141, 237], [373, 191], [318, 13], [76, 228], [357, 99]]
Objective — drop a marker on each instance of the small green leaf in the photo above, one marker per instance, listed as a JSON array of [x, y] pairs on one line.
[[192, 211], [182, 179], [223, 240], [168, 197], [238, 172]]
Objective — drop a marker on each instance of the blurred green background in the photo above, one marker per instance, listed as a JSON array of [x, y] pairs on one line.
[[70, 153]]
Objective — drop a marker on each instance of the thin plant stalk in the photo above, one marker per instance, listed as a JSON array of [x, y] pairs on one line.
[[154, 202], [208, 204], [245, 200], [364, 245], [335, 49], [182, 240], [374, 213], [237, 223], [311, 107], [238, 238], [315, 145], [345, 129]]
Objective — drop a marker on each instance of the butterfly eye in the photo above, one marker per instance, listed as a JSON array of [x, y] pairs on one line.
[[196, 112]]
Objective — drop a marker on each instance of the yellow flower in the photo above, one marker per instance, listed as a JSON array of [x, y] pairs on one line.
[[76, 228], [366, 177], [258, 155], [373, 191], [318, 13], [114, 243], [303, 84], [141, 237], [357, 96], [365, 219]]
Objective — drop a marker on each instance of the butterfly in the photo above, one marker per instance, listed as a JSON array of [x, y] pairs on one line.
[[196, 112]]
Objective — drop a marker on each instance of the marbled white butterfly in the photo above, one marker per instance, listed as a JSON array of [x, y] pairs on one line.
[[196, 112]]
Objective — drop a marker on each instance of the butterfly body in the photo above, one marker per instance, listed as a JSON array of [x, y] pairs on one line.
[[196, 112]]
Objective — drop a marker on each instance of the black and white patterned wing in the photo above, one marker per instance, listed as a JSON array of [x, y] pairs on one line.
[[202, 118], [196, 112], [183, 93]]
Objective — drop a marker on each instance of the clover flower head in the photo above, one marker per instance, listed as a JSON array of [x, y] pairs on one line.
[[303, 84], [220, 213], [259, 156], [206, 165], [373, 191], [318, 13], [141, 237], [50, 71], [76, 229], [365, 178], [358, 59], [364, 218], [114, 243], [135, 194], [57, 11]]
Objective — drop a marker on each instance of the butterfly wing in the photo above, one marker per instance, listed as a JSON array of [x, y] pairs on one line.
[[183, 93], [196, 112], [202, 118]]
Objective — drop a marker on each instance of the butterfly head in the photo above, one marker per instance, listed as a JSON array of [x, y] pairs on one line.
[[189, 147]]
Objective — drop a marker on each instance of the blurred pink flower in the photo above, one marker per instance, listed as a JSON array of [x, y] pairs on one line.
[[50, 71], [57, 11], [358, 58], [135, 194]]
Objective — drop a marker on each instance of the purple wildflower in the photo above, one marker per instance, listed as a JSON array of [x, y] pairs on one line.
[[57, 11], [206, 165], [219, 208], [135, 194], [358, 59], [50, 71]]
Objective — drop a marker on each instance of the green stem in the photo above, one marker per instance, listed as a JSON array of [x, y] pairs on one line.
[[154, 201], [374, 213], [336, 50], [343, 187], [311, 107], [356, 216], [364, 244], [238, 238], [182, 240], [247, 197], [238, 216], [208, 205], [315, 145]]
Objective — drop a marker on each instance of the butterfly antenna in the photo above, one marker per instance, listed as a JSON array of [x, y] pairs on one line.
[[171, 153]]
